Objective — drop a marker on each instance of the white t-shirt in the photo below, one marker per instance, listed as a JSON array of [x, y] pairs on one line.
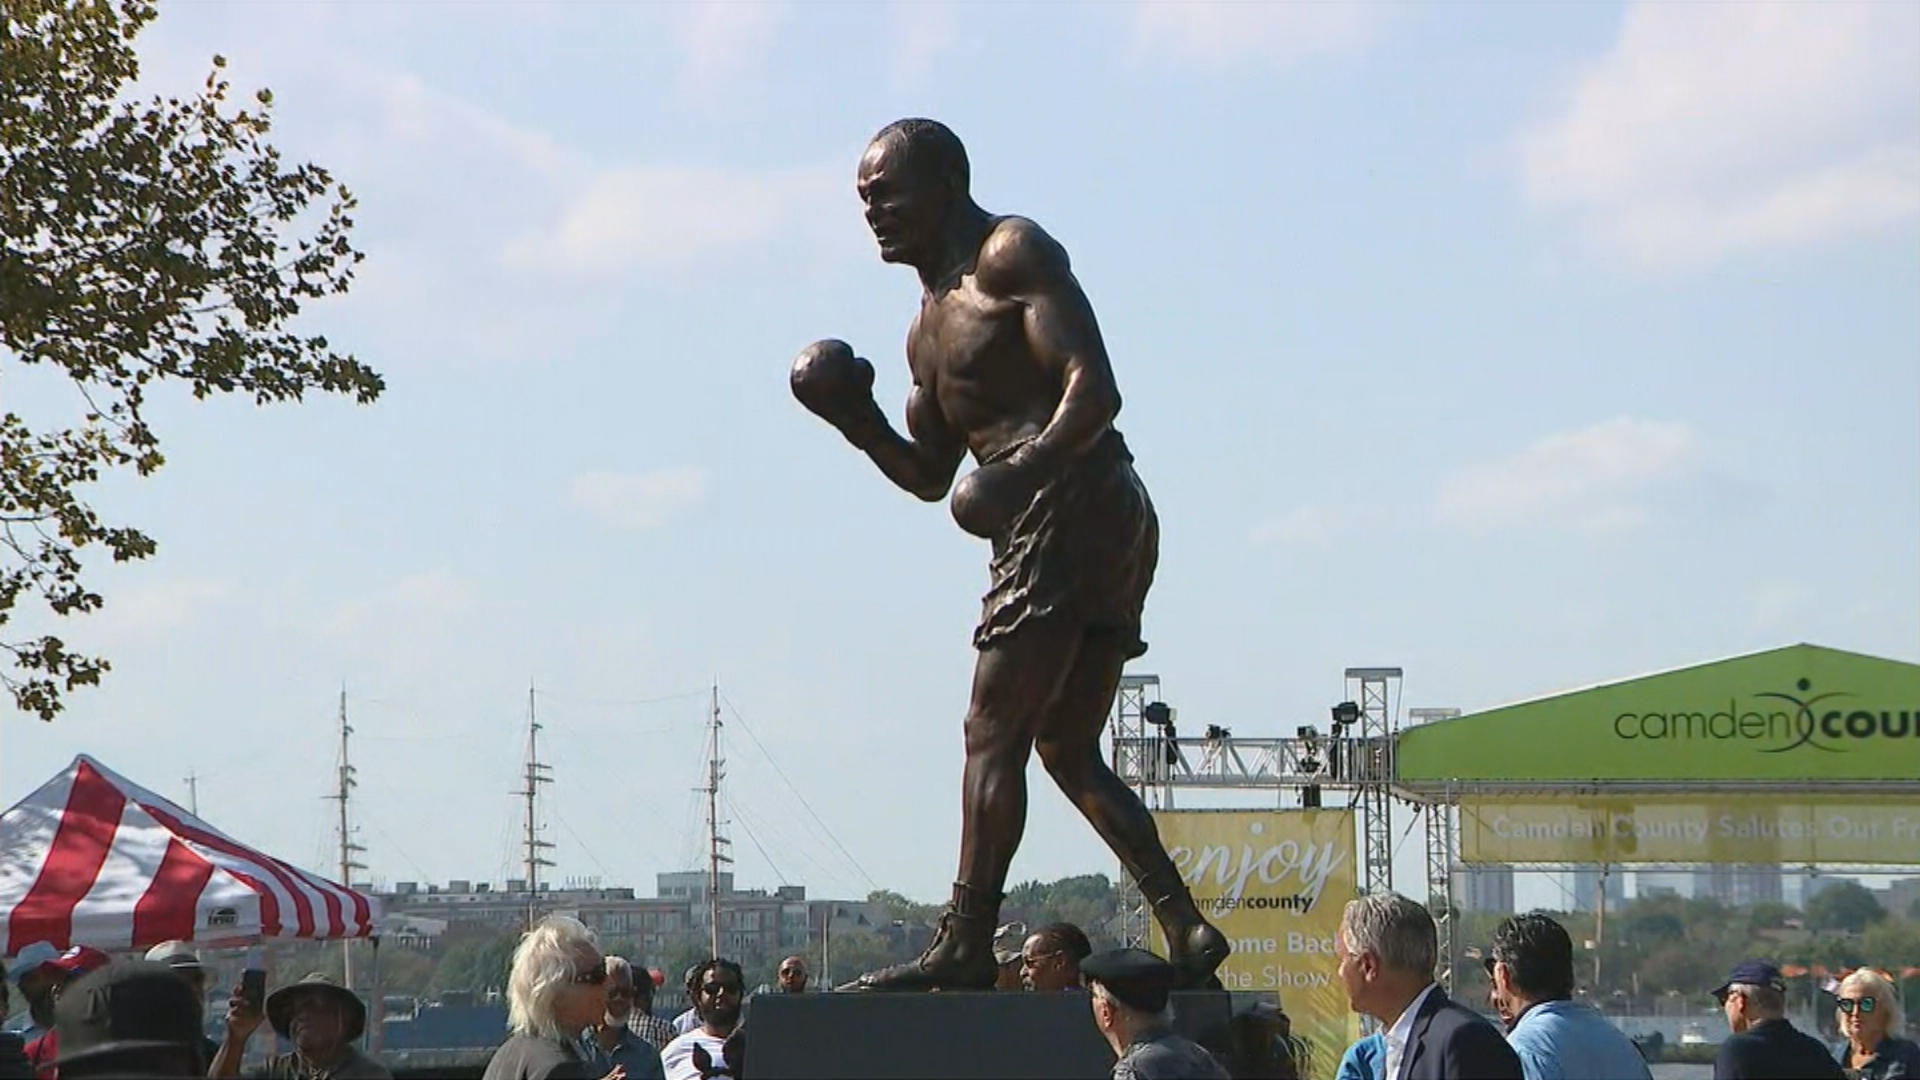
[[677, 1056]]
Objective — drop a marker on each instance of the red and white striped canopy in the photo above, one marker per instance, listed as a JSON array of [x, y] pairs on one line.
[[94, 859]]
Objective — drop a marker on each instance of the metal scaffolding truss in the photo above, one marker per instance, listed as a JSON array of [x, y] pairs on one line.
[[1129, 730], [1374, 690], [1152, 757]]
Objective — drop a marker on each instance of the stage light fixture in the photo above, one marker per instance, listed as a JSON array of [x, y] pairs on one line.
[[1345, 713]]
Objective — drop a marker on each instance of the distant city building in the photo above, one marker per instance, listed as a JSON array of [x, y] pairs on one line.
[[1648, 885], [1901, 898], [751, 920], [1741, 885], [1486, 889], [1583, 889]]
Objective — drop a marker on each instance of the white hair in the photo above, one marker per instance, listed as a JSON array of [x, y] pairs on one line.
[[543, 966], [1397, 930], [1886, 998]]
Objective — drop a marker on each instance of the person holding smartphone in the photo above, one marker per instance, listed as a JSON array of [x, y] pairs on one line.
[[321, 1018]]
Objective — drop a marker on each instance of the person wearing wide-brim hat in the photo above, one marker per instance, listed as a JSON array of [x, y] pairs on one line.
[[1130, 990], [321, 1018]]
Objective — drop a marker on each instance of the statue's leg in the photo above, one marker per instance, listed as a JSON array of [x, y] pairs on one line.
[[1069, 746], [1012, 681]]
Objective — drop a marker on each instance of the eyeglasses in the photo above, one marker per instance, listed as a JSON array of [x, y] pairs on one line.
[[716, 989], [1489, 963], [1865, 1004], [593, 976], [792, 971]]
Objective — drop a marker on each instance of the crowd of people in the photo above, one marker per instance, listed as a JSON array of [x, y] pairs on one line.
[[1388, 946], [574, 1012]]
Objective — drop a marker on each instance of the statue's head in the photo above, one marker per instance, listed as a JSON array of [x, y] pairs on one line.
[[913, 178]]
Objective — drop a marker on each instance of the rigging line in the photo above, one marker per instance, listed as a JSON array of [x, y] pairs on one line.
[[691, 841], [606, 875], [774, 830], [827, 874], [814, 837], [748, 728], [624, 702], [395, 844], [734, 809]]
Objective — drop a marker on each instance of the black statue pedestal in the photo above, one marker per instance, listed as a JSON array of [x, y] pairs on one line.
[[948, 1036]]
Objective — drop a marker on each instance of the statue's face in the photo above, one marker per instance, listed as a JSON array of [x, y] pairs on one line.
[[906, 203]]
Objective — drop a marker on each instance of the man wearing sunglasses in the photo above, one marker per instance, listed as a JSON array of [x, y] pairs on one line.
[[1531, 967], [1050, 958], [718, 986], [1764, 1044]]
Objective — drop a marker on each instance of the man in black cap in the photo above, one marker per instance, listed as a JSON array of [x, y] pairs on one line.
[[1764, 1044], [130, 1018], [1129, 988]]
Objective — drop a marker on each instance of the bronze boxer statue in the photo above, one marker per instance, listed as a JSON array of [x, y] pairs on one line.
[[1008, 365]]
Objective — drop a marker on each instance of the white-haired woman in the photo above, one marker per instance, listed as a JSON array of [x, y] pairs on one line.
[[1869, 1016], [557, 988]]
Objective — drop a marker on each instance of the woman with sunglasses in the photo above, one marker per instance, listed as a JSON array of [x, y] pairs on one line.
[[1869, 1016], [556, 989]]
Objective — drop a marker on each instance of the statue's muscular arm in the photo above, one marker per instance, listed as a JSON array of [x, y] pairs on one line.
[[922, 464], [1021, 263]]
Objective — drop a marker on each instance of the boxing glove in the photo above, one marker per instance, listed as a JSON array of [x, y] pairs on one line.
[[833, 384], [986, 500]]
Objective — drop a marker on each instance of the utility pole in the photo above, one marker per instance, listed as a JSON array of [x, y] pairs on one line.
[[537, 774], [348, 849], [715, 842]]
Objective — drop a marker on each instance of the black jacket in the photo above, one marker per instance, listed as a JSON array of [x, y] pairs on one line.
[[1450, 1042]]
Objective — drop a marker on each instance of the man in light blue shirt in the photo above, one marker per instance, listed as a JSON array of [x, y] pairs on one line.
[[1557, 1038]]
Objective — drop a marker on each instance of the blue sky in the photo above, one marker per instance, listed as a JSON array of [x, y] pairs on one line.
[[1521, 346]]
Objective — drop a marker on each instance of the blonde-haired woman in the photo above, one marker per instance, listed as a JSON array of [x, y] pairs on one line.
[[556, 989], [1869, 1015]]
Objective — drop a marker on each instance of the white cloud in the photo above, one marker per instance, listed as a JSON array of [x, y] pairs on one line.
[[1227, 31], [1314, 525], [642, 500], [675, 216], [405, 607], [159, 605], [1597, 479], [1710, 129], [722, 39]]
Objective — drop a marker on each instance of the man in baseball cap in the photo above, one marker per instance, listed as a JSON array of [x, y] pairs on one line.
[[1764, 1043], [49, 981], [1130, 989], [32, 973], [128, 1018]]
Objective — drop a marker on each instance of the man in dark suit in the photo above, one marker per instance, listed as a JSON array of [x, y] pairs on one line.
[[1387, 947]]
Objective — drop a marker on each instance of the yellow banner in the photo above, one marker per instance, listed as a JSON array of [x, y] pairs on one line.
[[1690, 829], [1276, 883]]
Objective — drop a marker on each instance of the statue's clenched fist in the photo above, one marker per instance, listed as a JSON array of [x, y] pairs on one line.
[[834, 384]]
